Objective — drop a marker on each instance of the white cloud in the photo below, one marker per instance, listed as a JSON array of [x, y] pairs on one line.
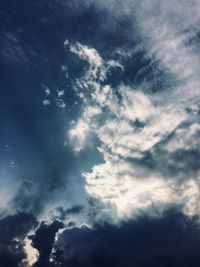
[[185, 138], [115, 64], [98, 68], [46, 102], [136, 123], [91, 56], [32, 254], [60, 103], [46, 89], [60, 93], [129, 193], [78, 134], [84, 126]]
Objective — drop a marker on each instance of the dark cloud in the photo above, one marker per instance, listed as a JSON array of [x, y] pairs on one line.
[[170, 240], [13, 230], [43, 241]]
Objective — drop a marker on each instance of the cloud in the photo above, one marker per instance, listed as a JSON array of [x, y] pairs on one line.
[[43, 240], [79, 131], [128, 119], [32, 254], [46, 89], [46, 102], [89, 55], [12, 50], [63, 213], [13, 230], [134, 128], [145, 241], [60, 103], [137, 107], [8, 188], [57, 99]]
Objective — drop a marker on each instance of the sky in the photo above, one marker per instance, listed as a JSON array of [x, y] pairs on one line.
[[100, 133]]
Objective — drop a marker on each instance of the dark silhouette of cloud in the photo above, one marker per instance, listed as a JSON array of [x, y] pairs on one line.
[[43, 241], [170, 240], [13, 230]]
